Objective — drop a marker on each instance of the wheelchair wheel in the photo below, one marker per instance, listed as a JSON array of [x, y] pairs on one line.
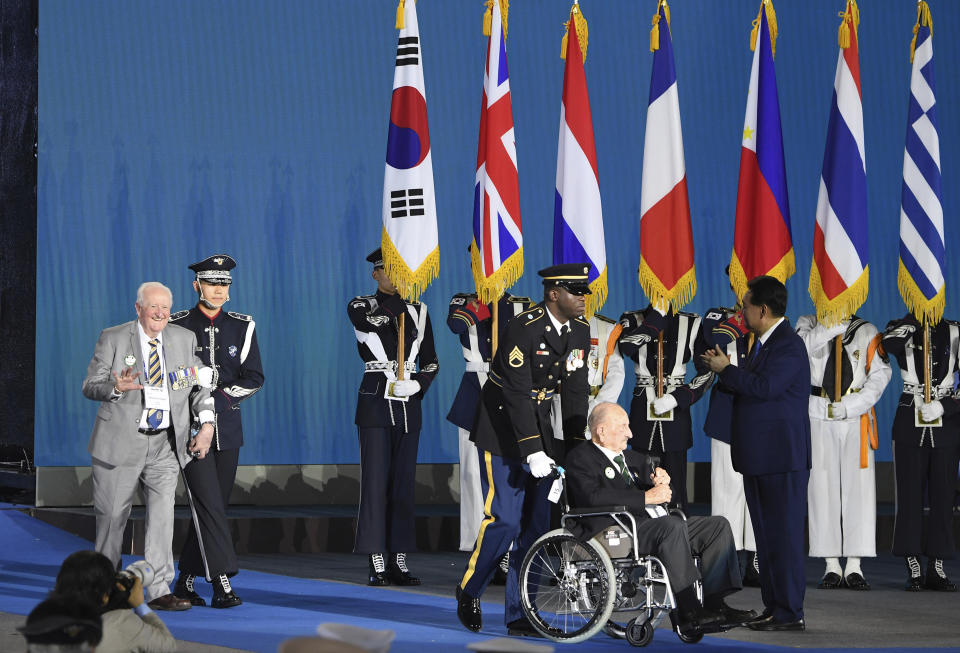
[[639, 633], [567, 587]]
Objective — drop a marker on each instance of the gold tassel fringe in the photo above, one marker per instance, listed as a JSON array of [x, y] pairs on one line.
[[922, 308], [488, 17], [410, 283], [849, 17], [401, 8], [580, 24], [598, 295], [771, 24], [490, 290], [783, 270], [923, 18], [834, 311], [679, 296], [655, 32]]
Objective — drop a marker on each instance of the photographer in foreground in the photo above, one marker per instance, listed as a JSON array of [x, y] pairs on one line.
[[88, 576]]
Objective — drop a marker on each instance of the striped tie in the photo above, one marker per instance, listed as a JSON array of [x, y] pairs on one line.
[[154, 377], [621, 463]]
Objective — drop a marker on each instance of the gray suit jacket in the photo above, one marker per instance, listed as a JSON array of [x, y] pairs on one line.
[[115, 439]]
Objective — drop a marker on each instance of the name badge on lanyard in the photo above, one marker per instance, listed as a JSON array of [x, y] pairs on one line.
[[156, 397]]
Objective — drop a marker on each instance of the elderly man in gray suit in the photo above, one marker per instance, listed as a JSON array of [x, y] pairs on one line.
[[142, 436]]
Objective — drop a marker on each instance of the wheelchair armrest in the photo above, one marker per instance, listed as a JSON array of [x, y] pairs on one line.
[[594, 511], [676, 512]]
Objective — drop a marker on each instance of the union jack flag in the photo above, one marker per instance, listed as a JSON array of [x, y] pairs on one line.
[[497, 250]]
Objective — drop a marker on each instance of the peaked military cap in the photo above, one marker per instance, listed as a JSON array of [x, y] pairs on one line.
[[215, 269], [572, 276], [376, 257]]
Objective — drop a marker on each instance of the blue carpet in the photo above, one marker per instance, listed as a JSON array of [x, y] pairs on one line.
[[276, 607]]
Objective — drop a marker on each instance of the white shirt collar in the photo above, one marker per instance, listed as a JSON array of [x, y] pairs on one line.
[[610, 453], [766, 334], [558, 325], [144, 338]]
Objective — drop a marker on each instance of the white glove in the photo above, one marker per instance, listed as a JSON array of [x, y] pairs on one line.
[[540, 464], [837, 410], [406, 388], [664, 404], [932, 411], [205, 377]]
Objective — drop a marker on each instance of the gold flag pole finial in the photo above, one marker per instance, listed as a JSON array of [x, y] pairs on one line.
[[848, 18], [923, 18], [655, 31], [580, 24], [488, 16], [400, 11], [767, 6]]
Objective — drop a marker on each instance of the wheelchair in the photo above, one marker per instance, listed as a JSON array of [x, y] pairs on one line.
[[570, 587]]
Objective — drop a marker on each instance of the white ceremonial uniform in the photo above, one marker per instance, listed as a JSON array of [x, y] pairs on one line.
[[842, 507]]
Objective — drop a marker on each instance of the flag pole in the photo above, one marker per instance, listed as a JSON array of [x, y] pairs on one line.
[[400, 345], [659, 364], [837, 372], [495, 313], [926, 361]]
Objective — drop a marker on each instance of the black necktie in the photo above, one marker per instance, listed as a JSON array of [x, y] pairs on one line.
[[564, 333]]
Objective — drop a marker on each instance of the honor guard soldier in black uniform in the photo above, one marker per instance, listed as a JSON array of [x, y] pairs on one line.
[[388, 422], [724, 327], [926, 446], [542, 352], [227, 342], [473, 323], [661, 426]]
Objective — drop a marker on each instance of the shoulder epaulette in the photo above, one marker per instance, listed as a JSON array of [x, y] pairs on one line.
[[953, 322], [581, 320], [688, 314], [520, 300], [240, 316], [412, 303], [852, 328], [531, 315], [179, 315], [604, 318]]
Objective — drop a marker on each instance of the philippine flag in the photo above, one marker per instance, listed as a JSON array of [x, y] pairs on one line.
[[577, 216], [411, 250], [497, 252], [666, 237], [839, 275], [762, 243]]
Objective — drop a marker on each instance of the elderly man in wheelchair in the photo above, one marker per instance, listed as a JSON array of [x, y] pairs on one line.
[[620, 551]]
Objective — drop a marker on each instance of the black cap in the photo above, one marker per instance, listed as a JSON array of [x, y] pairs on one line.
[[215, 269], [376, 257], [59, 620], [572, 276]]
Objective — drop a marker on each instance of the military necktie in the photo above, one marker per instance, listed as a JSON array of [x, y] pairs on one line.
[[154, 377], [624, 472]]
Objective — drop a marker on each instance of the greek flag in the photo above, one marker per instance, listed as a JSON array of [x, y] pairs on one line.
[[922, 251]]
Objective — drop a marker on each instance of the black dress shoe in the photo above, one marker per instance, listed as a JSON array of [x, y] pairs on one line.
[[856, 581], [523, 628], [733, 617], [913, 584], [830, 581], [766, 615], [937, 578], [184, 590], [223, 596], [772, 625], [378, 571], [700, 620], [468, 611], [397, 571]]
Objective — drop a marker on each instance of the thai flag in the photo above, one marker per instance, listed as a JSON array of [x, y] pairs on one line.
[[411, 249], [839, 275], [497, 250], [762, 243], [577, 216], [666, 237], [922, 250]]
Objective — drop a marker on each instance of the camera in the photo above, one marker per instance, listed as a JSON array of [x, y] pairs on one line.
[[126, 578]]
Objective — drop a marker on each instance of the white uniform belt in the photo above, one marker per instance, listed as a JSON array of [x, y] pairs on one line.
[[383, 366], [937, 392], [478, 366], [651, 381]]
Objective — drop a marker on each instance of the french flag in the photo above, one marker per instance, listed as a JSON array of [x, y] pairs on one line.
[[762, 243], [839, 275], [666, 237], [577, 217]]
